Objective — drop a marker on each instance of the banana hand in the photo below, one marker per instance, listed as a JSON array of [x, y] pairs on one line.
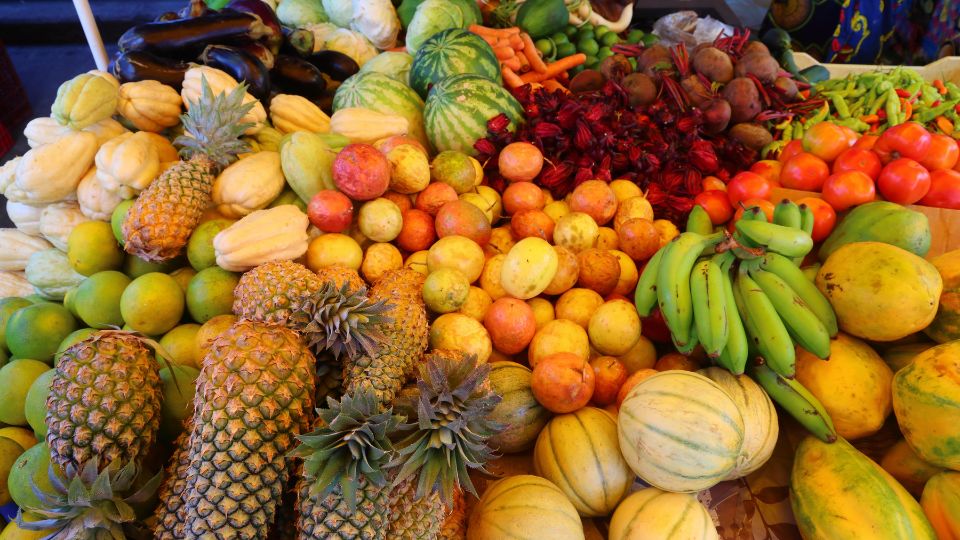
[[698, 221], [802, 324], [764, 326], [797, 280], [797, 401], [709, 306], [788, 214], [784, 240], [645, 298], [806, 219], [736, 351], [673, 283]]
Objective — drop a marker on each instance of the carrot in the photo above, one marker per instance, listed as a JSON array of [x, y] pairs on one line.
[[491, 40], [524, 63], [512, 63], [938, 84], [494, 32], [870, 118], [532, 54], [510, 77], [552, 85], [945, 125], [503, 42], [559, 66], [504, 53], [517, 42]]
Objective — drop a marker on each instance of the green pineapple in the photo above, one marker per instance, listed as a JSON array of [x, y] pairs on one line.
[[159, 224]]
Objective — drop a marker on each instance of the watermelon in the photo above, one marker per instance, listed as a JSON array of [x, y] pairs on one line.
[[449, 53], [458, 108], [383, 94]]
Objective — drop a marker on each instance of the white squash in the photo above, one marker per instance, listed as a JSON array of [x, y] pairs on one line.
[[14, 284], [362, 125], [106, 129], [58, 220], [50, 173], [18, 246], [26, 217], [220, 82], [248, 184], [274, 234], [96, 201], [165, 149], [8, 173], [44, 130], [107, 76], [149, 105], [291, 113], [127, 164]]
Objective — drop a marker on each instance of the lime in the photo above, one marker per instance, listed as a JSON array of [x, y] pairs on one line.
[[560, 37], [68, 300], [152, 303], [210, 331], [98, 299], [20, 435], [178, 390], [35, 406], [604, 53], [585, 32], [634, 36], [116, 219], [15, 380], [31, 469], [210, 293], [135, 267], [566, 49], [7, 307], [36, 331], [601, 31], [181, 345], [183, 277], [609, 39], [200, 251], [75, 337], [13, 532], [588, 46], [91, 248], [9, 452], [569, 31]]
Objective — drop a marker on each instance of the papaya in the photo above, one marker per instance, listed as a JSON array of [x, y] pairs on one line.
[[901, 356], [906, 466], [836, 492], [880, 292], [941, 503], [881, 221], [926, 400], [946, 325]]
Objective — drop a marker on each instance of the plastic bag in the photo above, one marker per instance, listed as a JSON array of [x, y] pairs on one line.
[[688, 28]]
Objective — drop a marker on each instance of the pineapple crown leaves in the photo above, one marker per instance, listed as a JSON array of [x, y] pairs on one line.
[[452, 428], [345, 321], [213, 126], [352, 442], [89, 505]]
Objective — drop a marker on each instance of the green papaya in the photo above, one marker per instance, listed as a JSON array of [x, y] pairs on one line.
[[881, 221], [836, 492], [540, 18]]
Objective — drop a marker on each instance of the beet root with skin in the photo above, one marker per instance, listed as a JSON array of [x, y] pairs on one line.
[[753, 136]]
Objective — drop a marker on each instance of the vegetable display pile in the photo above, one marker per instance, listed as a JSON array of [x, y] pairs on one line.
[[466, 270]]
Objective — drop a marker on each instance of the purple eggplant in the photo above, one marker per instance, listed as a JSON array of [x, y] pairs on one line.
[[187, 37], [336, 65], [260, 52], [195, 8], [139, 66], [267, 16], [240, 65], [297, 76], [297, 42]]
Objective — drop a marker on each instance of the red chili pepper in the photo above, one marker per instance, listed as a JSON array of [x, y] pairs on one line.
[[935, 103], [957, 108], [903, 93]]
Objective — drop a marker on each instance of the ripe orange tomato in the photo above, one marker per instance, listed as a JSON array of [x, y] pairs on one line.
[[866, 142], [858, 159], [910, 140], [712, 182], [717, 205], [748, 185], [824, 217], [944, 153], [944, 190], [804, 171], [903, 181], [826, 140], [848, 188], [852, 135], [792, 148], [769, 169]]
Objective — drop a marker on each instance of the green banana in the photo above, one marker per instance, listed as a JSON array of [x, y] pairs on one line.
[[709, 306], [797, 279], [797, 401], [787, 213], [802, 324], [698, 221], [734, 355], [673, 282], [784, 240], [688, 346], [645, 298], [811, 271], [753, 213], [806, 219], [764, 326]]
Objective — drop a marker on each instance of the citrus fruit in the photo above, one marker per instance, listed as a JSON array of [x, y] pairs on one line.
[[68, 301], [13, 532], [20, 435], [445, 290], [178, 390], [180, 344], [9, 452], [200, 251], [35, 405], [7, 307], [30, 469], [152, 303], [36, 331], [92, 248], [98, 299], [210, 331], [210, 293], [116, 219], [183, 277], [75, 337], [135, 267], [334, 248], [15, 380], [4, 357]]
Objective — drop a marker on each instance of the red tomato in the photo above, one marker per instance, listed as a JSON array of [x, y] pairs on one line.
[[824, 217], [857, 159], [848, 188], [717, 205], [764, 205], [712, 182], [866, 142], [903, 181], [910, 140], [825, 140], [944, 153], [769, 169], [944, 190], [804, 171], [748, 185], [792, 148], [852, 135]]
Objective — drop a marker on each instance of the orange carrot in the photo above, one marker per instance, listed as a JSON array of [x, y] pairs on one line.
[[510, 77], [517, 42], [552, 85], [945, 125], [494, 32], [503, 42], [504, 53], [512, 63], [524, 63], [532, 54], [563, 64], [938, 84], [491, 40]]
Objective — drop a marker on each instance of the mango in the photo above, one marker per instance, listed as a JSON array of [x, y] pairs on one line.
[[906, 466], [941, 503], [946, 325], [881, 221]]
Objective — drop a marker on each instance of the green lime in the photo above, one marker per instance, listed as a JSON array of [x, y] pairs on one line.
[[210, 293], [7, 307], [558, 38], [30, 470], [92, 248], [200, 250], [633, 62], [569, 31], [604, 52], [183, 276], [36, 331], [545, 46], [601, 31], [15, 380], [181, 344], [75, 337], [588, 47], [135, 267], [68, 300], [634, 36], [20, 435], [178, 391], [35, 406], [566, 49], [116, 219], [98, 299], [152, 303], [9, 452], [649, 39], [610, 39], [591, 62], [585, 32]]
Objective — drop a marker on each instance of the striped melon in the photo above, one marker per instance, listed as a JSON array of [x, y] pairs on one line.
[[449, 53], [524, 507], [579, 452], [651, 513], [759, 419], [679, 431], [383, 94], [941, 504], [520, 414], [458, 108]]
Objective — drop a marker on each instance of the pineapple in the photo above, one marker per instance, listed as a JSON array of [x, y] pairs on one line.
[[104, 401], [254, 396], [343, 493], [171, 491], [276, 292], [455, 525], [342, 275], [162, 218]]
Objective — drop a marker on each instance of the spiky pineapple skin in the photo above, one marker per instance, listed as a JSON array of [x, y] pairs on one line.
[[341, 275], [170, 495], [413, 517], [455, 525], [159, 224], [104, 401], [330, 517], [276, 292]]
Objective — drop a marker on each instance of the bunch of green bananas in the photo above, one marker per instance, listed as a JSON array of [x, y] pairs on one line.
[[743, 296]]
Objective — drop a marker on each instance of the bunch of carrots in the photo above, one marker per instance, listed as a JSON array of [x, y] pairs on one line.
[[520, 61]]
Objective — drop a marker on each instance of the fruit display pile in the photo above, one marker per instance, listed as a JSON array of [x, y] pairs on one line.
[[449, 270]]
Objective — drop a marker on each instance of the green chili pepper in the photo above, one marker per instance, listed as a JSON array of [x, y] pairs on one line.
[[884, 86], [797, 130], [893, 108], [840, 105], [853, 123]]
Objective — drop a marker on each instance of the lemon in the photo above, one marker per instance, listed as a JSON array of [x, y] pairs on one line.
[[211, 330], [178, 391], [116, 219], [30, 469], [152, 303], [13, 532], [7, 307], [10, 450], [15, 380], [35, 405], [181, 345], [210, 293], [200, 251], [135, 267], [183, 277], [75, 337], [91, 248], [20, 435], [98, 299], [36, 331]]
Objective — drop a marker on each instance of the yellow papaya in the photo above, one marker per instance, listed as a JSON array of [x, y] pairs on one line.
[[906, 466], [84, 100], [902, 356], [946, 325], [880, 221], [941, 503]]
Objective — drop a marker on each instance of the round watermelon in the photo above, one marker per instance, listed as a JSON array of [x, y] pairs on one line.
[[458, 108], [384, 94], [452, 52]]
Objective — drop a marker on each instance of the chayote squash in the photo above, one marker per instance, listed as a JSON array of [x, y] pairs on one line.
[[84, 100], [58, 220], [307, 163], [96, 201], [881, 221], [299, 13], [51, 173], [249, 184], [128, 163], [51, 275], [25, 217], [273, 234]]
